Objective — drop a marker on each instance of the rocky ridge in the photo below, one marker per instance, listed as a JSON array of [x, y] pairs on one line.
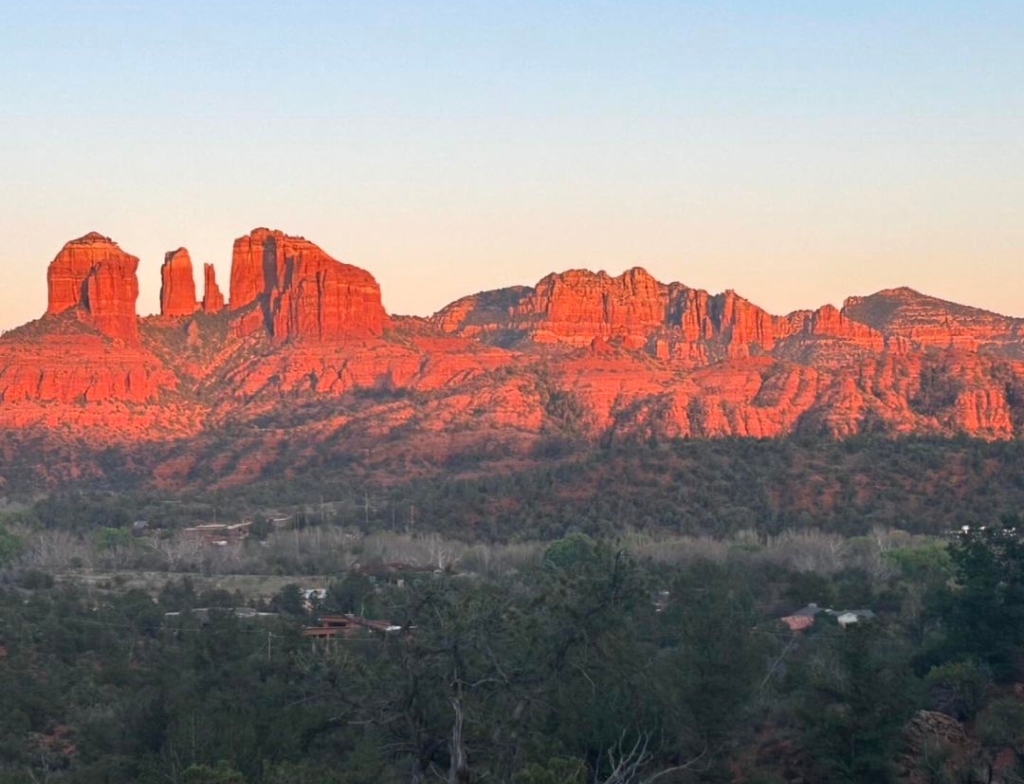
[[305, 340]]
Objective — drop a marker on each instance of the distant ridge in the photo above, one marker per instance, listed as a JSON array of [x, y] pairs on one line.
[[303, 348]]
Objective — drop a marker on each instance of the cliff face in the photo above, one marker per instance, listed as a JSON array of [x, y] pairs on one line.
[[248, 276], [92, 273], [213, 300], [80, 369], [581, 354], [178, 285], [577, 306], [583, 308], [67, 273], [670, 321], [304, 293], [915, 319]]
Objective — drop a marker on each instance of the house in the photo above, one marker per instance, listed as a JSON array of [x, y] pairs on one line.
[[347, 626], [802, 618], [847, 617], [219, 533]]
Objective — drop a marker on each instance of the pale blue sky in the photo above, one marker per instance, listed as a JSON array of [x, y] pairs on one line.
[[795, 151]]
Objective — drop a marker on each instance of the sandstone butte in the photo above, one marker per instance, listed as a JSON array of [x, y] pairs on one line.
[[178, 285], [303, 292], [95, 276], [213, 300], [304, 351]]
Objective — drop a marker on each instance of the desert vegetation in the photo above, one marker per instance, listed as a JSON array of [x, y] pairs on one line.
[[661, 487], [614, 617], [579, 660]]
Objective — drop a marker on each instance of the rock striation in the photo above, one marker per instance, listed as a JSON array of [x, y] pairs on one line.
[[178, 285], [94, 275], [80, 370], [213, 300], [915, 319], [581, 353], [303, 292], [66, 275], [577, 306], [583, 308]]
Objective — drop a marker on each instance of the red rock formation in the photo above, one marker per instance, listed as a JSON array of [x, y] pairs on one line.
[[927, 321], [110, 295], [634, 358], [478, 314], [576, 307], [66, 274], [828, 321], [213, 300], [93, 273], [742, 325], [304, 293], [249, 266], [79, 369], [178, 289], [825, 336]]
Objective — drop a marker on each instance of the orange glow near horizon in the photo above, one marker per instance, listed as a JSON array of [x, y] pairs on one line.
[[798, 154]]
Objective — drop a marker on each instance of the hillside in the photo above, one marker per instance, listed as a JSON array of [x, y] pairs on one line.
[[302, 361]]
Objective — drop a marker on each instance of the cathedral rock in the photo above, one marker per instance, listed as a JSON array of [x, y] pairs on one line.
[[178, 289], [304, 293], [93, 274]]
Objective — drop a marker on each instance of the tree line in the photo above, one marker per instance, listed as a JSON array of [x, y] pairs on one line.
[[587, 665], [663, 487]]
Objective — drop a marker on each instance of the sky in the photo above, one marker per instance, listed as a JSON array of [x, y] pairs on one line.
[[797, 152]]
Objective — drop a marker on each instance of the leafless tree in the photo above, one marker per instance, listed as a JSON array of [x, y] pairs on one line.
[[180, 550], [58, 550], [443, 553], [627, 764]]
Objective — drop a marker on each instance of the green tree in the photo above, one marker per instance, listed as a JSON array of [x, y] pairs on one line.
[[859, 694], [959, 688], [221, 773], [712, 662], [986, 611], [11, 547], [573, 552], [354, 593], [261, 528], [289, 600], [114, 541]]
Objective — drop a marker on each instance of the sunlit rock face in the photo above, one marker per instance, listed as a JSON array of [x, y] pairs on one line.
[[304, 293], [213, 299], [305, 343], [178, 285], [94, 274]]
